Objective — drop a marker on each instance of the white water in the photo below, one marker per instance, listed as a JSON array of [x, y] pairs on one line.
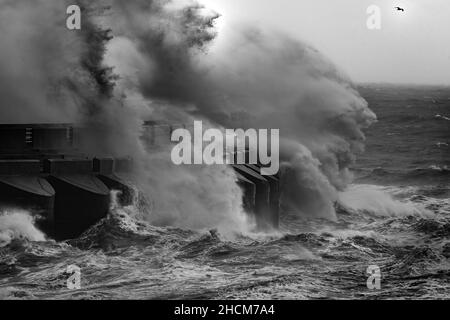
[[18, 224], [378, 200]]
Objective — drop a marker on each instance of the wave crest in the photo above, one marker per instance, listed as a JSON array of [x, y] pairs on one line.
[[378, 201], [18, 225]]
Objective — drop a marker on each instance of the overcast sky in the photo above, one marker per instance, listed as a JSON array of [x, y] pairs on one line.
[[411, 47]]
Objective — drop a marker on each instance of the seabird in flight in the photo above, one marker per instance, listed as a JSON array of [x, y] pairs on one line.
[[399, 9]]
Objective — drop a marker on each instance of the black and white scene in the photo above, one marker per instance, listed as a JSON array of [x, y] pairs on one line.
[[206, 150]]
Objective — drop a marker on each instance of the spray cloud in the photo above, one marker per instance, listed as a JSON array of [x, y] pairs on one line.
[[248, 78], [168, 64]]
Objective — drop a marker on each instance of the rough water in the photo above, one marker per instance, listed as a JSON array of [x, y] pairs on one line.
[[395, 215]]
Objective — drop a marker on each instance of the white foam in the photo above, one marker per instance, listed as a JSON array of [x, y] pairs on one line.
[[18, 224], [438, 116], [378, 200]]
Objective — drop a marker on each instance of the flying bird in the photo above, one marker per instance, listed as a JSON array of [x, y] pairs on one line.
[[399, 9]]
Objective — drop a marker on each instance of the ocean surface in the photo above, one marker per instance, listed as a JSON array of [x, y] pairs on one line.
[[395, 215]]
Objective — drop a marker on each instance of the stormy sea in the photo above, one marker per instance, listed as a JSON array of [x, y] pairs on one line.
[[394, 215]]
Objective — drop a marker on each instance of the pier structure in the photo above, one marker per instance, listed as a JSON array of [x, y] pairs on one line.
[[42, 171]]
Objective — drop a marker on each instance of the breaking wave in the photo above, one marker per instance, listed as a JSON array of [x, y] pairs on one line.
[[18, 225], [376, 200]]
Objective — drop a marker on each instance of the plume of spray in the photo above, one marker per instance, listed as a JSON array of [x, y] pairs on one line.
[[167, 67], [145, 32], [282, 83], [246, 78], [48, 72], [17, 224], [52, 74], [32, 63]]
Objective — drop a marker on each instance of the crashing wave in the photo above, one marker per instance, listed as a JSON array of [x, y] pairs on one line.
[[18, 225]]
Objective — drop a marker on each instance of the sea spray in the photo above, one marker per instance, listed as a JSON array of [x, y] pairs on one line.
[[272, 81], [378, 200], [169, 65], [18, 225]]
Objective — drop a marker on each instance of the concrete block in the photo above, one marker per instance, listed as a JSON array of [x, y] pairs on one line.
[[20, 167], [67, 166]]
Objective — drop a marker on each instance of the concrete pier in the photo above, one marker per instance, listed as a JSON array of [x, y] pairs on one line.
[[42, 171], [249, 193], [26, 139], [22, 187], [274, 197], [262, 196], [81, 199], [113, 173]]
